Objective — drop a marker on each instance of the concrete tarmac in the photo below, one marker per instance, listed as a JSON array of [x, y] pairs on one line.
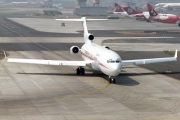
[[44, 92], [72, 27], [56, 92]]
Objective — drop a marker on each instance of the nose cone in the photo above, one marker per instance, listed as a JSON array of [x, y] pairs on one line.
[[115, 70]]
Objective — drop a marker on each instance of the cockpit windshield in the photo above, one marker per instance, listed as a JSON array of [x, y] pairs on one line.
[[113, 61]]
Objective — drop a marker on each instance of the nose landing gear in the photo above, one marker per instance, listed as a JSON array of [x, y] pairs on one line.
[[80, 71], [112, 80]]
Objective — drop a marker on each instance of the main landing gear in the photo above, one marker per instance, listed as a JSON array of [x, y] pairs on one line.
[[112, 80], [80, 71]]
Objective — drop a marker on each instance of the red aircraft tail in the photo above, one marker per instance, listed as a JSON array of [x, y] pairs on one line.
[[131, 11], [118, 8], [151, 10]]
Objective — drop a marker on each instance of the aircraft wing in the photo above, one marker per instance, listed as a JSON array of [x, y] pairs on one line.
[[50, 62], [149, 61]]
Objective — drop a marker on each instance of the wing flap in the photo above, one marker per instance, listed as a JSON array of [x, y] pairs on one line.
[[49, 62]]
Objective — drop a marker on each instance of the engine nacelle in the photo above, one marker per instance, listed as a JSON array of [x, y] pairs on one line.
[[74, 49], [107, 47], [91, 37]]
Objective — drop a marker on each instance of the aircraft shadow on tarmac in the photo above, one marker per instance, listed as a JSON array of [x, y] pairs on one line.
[[123, 79]]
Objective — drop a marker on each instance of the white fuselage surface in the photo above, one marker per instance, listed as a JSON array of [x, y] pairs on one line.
[[105, 60], [166, 4], [121, 14]]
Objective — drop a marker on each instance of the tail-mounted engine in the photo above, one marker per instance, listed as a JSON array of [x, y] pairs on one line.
[[74, 49], [89, 37]]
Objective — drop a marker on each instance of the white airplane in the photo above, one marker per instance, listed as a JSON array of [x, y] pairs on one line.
[[138, 15], [166, 4], [174, 7], [170, 6], [97, 57]]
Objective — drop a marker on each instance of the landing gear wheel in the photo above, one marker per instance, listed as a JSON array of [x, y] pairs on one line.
[[112, 80], [80, 71], [148, 20]]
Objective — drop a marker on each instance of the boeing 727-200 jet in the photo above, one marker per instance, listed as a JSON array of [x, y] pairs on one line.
[[97, 57]]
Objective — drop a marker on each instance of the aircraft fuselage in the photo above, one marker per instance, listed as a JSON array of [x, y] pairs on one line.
[[105, 60]]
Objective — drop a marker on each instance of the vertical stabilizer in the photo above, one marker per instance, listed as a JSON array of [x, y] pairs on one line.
[[118, 8], [131, 11], [88, 38], [151, 10]]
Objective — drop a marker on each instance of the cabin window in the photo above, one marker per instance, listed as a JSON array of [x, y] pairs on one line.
[[117, 61]]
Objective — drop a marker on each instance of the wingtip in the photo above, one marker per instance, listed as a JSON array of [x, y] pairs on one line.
[[5, 54], [176, 54]]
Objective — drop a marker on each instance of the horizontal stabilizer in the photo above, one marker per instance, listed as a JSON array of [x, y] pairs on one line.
[[80, 20], [96, 19]]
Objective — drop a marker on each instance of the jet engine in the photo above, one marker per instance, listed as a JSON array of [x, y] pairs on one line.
[[74, 49], [91, 37]]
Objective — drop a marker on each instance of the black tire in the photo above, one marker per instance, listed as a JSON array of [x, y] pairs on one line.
[[78, 71], [114, 81], [148, 21], [111, 80], [82, 71]]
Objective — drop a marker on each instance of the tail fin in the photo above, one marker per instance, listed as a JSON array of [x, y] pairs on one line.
[[151, 10], [131, 11], [118, 8], [88, 38]]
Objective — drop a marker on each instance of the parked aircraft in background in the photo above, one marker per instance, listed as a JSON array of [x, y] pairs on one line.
[[164, 18], [119, 11], [20, 3], [167, 4], [139, 15], [97, 57], [172, 6], [131, 11]]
